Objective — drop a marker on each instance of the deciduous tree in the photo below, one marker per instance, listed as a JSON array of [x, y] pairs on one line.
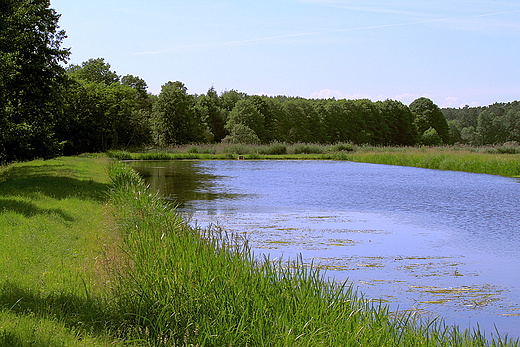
[[174, 120], [428, 115], [31, 79]]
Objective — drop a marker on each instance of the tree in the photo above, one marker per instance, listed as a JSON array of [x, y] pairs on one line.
[[212, 114], [135, 82], [174, 120], [469, 136], [486, 130], [241, 133], [246, 113], [512, 122], [31, 79], [228, 99], [431, 138], [400, 122], [103, 111], [375, 127], [428, 115], [94, 70], [455, 133], [280, 122]]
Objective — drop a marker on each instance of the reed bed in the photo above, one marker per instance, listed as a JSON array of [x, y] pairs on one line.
[[181, 286], [503, 164], [501, 160]]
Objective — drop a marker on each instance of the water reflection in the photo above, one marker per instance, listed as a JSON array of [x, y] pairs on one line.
[[182, 182]]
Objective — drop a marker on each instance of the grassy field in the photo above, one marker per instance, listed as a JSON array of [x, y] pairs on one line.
[[90, 257], [501, 160], [52, 231]]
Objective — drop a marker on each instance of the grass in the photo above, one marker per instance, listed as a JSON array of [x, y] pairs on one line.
[[51, 236], [501, 160], [81, 267], [445, 159]]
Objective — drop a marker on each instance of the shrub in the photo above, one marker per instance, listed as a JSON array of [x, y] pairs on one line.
[[340, 147], [303, 148], [273, 149]]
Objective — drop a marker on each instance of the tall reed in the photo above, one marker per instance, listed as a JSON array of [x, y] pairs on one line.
[[180, 285], [501, 160]]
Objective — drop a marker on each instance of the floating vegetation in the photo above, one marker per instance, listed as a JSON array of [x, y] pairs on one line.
[[371, 265], [441, 301], [473, 297], [320, 217], [515, 312], [340, 242], [346, 246]]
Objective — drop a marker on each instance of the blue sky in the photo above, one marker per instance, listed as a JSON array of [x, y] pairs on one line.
[[454, 52]]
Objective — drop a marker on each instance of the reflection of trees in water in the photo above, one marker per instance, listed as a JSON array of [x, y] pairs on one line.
[[180, 181]]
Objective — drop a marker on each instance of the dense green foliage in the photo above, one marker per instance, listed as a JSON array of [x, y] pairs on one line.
[[102, 110], [174, 119], [47, 110], [32, 80], [430, 122], [495, 124]]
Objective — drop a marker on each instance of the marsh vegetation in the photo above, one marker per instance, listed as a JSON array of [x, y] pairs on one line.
[[501, 160]]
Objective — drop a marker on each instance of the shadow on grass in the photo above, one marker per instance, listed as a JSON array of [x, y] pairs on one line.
[[8, 339], [73, 311], [28, 209], [51, 180]]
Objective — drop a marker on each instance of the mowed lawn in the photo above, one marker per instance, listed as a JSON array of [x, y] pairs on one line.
[[53, 236]]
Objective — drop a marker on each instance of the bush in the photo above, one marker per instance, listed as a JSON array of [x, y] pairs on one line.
[[340, 147], [303, 148], [273, 149]]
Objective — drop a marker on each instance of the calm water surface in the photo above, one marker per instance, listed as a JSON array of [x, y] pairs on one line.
[[440, 242]]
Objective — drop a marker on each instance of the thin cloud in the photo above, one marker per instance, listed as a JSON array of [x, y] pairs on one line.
[[367, 27], [336, 4], [334, 31], [321, 32]]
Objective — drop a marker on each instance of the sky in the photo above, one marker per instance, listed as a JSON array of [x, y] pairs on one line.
[[455, 52]]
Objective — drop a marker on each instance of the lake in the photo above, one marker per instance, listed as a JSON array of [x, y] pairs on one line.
[[441, 243]]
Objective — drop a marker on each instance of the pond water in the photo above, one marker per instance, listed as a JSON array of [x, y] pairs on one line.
[[442, 243]]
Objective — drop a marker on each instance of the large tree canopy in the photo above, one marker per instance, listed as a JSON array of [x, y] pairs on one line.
[[31, 79], [94, 70], [428, 115], [174, 118], [104, 111]]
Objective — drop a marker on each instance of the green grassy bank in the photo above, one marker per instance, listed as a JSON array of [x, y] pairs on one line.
[[81, 267], [501, 160], [52, 232]]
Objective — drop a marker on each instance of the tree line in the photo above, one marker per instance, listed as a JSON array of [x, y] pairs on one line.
[[494, 124], [48, 108]]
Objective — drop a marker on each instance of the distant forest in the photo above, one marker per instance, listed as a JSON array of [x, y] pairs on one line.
[[495, 124], [47, 109]]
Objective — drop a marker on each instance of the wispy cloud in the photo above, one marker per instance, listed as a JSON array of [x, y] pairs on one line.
[[335, 31], [364, 8], [321, 32]]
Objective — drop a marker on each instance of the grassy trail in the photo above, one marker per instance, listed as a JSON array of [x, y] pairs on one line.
[[52, 231]]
